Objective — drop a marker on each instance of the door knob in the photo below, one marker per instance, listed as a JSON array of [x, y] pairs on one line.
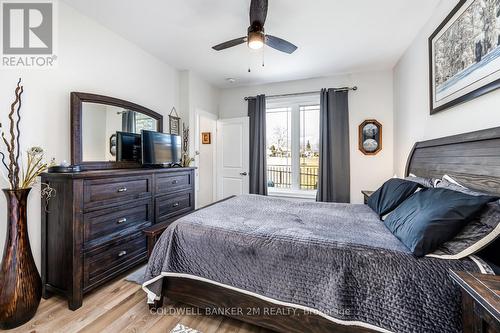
[[243, 173]]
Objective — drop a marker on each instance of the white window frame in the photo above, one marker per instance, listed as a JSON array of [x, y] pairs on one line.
[[294, 103]]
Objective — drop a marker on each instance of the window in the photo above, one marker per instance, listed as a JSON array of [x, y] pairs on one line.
[[144, 122], [292, 129]]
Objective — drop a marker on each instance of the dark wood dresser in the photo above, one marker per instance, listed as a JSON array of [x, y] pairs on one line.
[[92, 229]]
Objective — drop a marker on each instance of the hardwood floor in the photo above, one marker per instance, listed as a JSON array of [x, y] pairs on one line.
[[121, 306]]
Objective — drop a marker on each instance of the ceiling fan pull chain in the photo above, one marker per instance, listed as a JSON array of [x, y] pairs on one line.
[[249, 61], [263, 59]]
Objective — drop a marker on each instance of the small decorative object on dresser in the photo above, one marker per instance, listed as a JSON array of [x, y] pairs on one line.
[[20, 283], [366, 195], [186, 159], [370, 137], [464, 54], [480, 301]]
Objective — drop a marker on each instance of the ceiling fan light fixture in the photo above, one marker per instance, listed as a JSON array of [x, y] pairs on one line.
[[255, 40]]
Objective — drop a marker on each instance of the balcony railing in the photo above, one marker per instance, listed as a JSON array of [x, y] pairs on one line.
[[280, 176]]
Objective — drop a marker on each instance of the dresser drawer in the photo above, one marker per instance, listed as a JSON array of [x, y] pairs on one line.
[[102, 192], [174, 182], [170, 205], [109, 261], [124, 219]]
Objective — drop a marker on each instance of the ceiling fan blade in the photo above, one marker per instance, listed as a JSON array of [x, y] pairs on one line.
[[280, 44], [230, 43], [258, 12]]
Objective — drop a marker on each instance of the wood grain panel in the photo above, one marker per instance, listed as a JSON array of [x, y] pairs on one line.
[[106, 222], [472, 158], [251, 309], [99, 193], [174, 182], [120, 306], [111, 259], [170, 205]]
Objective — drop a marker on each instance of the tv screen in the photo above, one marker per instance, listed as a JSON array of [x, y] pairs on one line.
[[128, 147], [160, 148]]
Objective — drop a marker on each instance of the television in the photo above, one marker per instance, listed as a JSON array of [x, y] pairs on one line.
[[128, 147], [160, 149]]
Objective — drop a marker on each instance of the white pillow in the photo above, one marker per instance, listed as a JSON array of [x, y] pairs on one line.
[[435, 181], [453, 181]]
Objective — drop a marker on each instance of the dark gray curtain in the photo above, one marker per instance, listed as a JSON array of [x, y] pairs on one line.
[[334, 164], [128, 121], [258, 165]]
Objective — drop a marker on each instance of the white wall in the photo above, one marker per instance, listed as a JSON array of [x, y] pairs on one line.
[[91, 59], [196, 95], [412, 121], [373, 99]]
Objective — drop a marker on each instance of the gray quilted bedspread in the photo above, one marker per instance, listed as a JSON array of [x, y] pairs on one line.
[[338, 259]]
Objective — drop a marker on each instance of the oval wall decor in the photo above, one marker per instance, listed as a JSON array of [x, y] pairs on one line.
[[370, 137]]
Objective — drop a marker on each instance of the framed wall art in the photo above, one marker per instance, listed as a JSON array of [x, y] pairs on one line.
[[464, 54], [174, 122], [370, 137], [206, 138]]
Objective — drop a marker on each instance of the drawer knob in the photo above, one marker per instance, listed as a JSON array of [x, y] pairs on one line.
[[122, 220], [122, 253], [175, 181], [122, 189], [176, 204]]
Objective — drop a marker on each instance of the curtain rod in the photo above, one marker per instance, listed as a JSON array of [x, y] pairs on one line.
[[304, 93]]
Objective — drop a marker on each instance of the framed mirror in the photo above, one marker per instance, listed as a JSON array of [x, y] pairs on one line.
[[99, 123]]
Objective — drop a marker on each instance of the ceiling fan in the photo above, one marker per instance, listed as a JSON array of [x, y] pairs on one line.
[[256, 38]]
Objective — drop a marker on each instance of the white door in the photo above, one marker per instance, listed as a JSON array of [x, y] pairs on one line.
[[232, 157]]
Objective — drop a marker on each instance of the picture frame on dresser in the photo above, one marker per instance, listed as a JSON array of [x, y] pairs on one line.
[[464, 54]]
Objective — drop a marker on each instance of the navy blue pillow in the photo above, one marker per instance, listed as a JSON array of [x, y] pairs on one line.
[[431, 217], [391, 195]]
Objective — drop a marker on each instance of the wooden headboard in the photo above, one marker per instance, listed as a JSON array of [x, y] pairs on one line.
[[473, 159]]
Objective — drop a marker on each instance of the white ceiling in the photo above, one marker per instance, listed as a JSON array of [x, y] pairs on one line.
[[333, 36]]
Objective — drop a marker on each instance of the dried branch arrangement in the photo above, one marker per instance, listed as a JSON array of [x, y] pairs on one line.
[[35, 164], [186, 159]]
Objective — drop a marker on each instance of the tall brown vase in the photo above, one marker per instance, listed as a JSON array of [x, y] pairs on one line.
[[20, 283]]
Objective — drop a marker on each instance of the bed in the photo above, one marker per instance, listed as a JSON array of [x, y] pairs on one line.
[[318, 267]]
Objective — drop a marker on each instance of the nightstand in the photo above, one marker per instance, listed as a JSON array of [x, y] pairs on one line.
[[366, 195], [480, 301]]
